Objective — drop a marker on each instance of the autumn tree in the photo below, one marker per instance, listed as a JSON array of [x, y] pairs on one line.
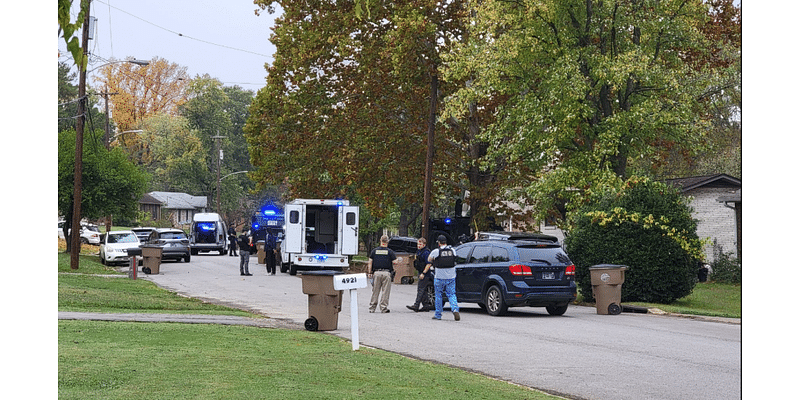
[[142, 91], [347, 106], [591, 86]]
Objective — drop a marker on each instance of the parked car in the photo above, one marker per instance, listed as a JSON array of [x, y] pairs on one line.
[[515, 236], [90, 234], [175, 243], [402, 244], [143, 233], [114, 246], [498, 274]]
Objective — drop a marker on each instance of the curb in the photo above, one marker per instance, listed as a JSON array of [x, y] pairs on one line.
[[180, 318]]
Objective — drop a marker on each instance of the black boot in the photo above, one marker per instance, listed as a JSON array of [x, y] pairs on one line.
[[414, 308]]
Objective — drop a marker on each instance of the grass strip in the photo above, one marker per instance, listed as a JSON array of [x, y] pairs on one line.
[[129, 360]]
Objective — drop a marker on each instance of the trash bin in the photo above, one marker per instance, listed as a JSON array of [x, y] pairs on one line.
[[262, 259], [132, 255], [607, 280], [152, 258], [404, 270], [324, 302]]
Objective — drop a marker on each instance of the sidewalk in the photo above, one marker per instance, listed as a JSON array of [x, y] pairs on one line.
[[180, 318]]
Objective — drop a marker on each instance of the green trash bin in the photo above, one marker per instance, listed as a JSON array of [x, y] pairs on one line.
[[607, 280]]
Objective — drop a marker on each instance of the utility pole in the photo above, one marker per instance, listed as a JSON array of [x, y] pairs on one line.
[[107, 138], [75, 233], [219, 164]]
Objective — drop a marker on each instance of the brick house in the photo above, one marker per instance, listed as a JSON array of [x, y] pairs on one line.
[[178, 207], [717, 206]]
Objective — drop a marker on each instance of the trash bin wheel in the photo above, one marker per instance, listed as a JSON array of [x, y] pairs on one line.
[[146, 270], [312, 324], [614, 309]]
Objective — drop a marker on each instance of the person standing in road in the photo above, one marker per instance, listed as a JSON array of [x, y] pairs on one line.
[[269, 250], [244, 253], [443, 260], [381, 267], [425, 277], [232, 241]]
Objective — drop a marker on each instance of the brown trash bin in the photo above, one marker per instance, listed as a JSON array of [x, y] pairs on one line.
[[607, 280], [324, 302], [404, 271], [152, 258], [262, 255]]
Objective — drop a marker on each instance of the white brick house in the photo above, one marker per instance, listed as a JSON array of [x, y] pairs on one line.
[[717, 206]]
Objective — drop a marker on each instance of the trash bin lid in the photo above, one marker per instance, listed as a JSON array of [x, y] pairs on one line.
[[608, 266]]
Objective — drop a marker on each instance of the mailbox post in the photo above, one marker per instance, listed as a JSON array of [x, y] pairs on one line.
[[352, 282]]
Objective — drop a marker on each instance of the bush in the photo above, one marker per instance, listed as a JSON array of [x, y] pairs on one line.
[[646, 226], [726, 268]]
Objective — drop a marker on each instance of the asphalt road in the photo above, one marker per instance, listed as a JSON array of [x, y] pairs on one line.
[[579, 355]]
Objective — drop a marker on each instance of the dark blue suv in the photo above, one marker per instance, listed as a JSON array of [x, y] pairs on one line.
[[497, 274]]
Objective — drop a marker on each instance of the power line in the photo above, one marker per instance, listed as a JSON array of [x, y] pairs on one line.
[[182, 35]]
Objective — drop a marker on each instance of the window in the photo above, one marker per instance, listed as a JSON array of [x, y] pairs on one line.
[[500, 254], [350, 218], [481, 254], [294, 217]]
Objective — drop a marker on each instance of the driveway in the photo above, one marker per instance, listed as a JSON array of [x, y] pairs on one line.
[[579, 355]]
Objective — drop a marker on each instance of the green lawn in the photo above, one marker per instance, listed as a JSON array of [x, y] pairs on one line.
[[132, 360], [711, 299]]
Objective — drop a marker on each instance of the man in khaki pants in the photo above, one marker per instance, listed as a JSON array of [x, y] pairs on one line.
[[380, 267]]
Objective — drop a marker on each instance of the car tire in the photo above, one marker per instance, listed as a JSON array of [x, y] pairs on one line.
[[557, 310], [102, 260], [292, 269], [495, 305], [187, 259]]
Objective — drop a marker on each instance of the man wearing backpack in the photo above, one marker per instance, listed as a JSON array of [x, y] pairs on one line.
[[443, 260]]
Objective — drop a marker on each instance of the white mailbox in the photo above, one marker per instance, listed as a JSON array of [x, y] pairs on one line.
[[351, 281]]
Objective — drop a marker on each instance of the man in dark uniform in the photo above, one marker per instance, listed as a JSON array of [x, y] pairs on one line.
[[425, 277], [232, 241], [269, 250], [244, 253], [380, 268]]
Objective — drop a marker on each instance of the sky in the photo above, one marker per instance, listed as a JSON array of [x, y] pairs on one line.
[[224, 39]]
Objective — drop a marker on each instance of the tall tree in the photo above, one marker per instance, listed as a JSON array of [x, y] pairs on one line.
[[347, 104], [591, 85], [142, 91]]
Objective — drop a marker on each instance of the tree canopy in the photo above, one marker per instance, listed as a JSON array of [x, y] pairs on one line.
[[591, 85]]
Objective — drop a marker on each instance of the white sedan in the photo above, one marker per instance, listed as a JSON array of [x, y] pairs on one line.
[[114, 246]]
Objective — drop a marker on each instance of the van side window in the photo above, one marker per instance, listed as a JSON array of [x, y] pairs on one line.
[[294, 217], [350, 218]]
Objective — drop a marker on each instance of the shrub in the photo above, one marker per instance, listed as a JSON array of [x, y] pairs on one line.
[[646, 226], [726, 268]]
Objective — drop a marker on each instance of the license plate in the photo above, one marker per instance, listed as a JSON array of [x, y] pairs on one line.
[[548, 275]]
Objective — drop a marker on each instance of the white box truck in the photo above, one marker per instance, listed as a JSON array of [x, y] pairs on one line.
[[208, 233], [318, 235]]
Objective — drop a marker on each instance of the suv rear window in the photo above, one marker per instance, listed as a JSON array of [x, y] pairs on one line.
[[540, 253]]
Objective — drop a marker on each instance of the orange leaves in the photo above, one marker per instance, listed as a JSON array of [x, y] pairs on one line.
[[141, 91]]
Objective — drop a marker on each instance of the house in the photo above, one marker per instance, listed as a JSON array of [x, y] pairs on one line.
[[716, 201], [178, 207]]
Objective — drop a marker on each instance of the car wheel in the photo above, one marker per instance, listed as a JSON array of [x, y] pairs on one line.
[[292, 269], [495, 305], [557, 310], [284, 268], [84, 241], [187, 258], [102, 260], [430, 292]]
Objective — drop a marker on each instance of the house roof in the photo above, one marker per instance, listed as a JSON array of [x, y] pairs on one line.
[[147, 199], [180, 201], [718, 180]]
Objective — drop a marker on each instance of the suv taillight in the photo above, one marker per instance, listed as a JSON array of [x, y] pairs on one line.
[[520, 270], [570, 271]]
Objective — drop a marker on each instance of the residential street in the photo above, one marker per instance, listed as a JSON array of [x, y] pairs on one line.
[[580, 355]]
